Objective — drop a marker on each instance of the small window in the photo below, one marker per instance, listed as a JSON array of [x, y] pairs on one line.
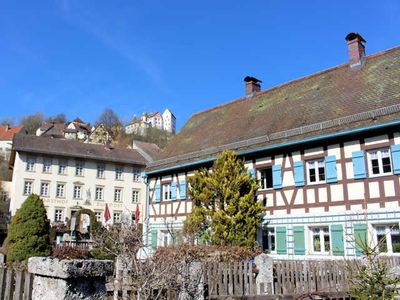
[[62, 167], [98, 215], [269, 239], [167, 192], [60, 192], [77, 192], [388, 238], [117, 217], [118, 173], [379, 162], [99, 193], [44, 189], [46, 165], [79, 169], [100, 171], [28, 186], [320, 240], [58, 215], [135, 196], [118, 195], [316, 171], [136, 175], [265, 178], [30, 164]]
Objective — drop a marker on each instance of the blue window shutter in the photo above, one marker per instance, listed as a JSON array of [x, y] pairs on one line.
[[158, 193], [299, 242], [182, 190], [337, 240], [277, 176], [154, 238], [331, 171], [252, 173], [395, 149], [173, 191], [359, 164], [281, 247], [360, 238], [299, 173]]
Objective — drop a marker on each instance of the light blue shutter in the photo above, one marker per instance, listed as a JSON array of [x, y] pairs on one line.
[[182, 190], [299, 242], [331, 171], [252, 173], [395, 149], [359, 164], [173, 191], [154, 238], [337, 240], [277, 176], [360, 238], [281, 247], [299, 173], [158, 193]]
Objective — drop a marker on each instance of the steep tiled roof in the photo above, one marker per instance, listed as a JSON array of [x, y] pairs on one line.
[[151, 150], [264, 119], [7, 132], [72, 148]]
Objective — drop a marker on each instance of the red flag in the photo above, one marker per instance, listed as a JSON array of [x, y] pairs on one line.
[[137, 213], [107, 215]]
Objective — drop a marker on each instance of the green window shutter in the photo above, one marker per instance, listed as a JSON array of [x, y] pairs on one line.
[[299, 173], [360, 235], [395, 149], [299, 242], [182, 189], [277, 176], [331, 172], [358, 158], [158, 193], [281, 247], [337, 240], [154, 238]]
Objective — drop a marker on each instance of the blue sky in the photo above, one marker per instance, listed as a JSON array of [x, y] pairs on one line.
[[80, 57]]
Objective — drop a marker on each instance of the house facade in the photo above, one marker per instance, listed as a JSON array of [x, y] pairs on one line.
[[7, 133], [70, 176], [325, 150], [165, 121]]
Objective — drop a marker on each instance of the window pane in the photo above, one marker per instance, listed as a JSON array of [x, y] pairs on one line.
[[375, 166], [382, 244], [386, 165], [321, 171], [317, 243], [268, 174], [312, 175]]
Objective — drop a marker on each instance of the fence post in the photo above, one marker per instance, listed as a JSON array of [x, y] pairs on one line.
[[265, 277], [69, 279]]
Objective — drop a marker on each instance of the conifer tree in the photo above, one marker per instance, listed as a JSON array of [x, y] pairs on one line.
[[28, 234], [225, 209]]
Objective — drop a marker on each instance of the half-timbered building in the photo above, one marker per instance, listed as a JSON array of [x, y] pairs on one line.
[[325, 149]]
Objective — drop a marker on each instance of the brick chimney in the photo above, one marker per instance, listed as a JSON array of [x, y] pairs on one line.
[[252, 85], [355, 43]]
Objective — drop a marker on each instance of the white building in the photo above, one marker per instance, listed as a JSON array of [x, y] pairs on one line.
[[7, 133], [165, 121], [169, 121], [70, 175]]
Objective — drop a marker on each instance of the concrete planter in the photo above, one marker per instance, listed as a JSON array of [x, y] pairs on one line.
[[69, 279]]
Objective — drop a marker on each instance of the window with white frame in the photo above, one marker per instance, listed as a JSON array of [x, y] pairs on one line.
[[98, 215], [316, 171], [44, 189], [100, 171], [28, 187], [117, 194], [46, 165], [117, 217], [320, 240], [167, 192], [62, 167], [269, 239], [79, 168], [30, 164], [379, 162], [99, 193], [265, 178], [388, 238], [135, 196], [60, 191], [77, 192], [118, 172], [58, 215], [136, 175]]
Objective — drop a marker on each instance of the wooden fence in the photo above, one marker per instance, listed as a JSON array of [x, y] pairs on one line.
[[15, 284]]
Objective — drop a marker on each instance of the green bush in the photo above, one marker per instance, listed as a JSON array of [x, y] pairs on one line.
[[28, 234]]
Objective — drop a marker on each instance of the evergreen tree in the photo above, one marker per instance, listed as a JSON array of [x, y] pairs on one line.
[[225, 209], [28, 234]]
